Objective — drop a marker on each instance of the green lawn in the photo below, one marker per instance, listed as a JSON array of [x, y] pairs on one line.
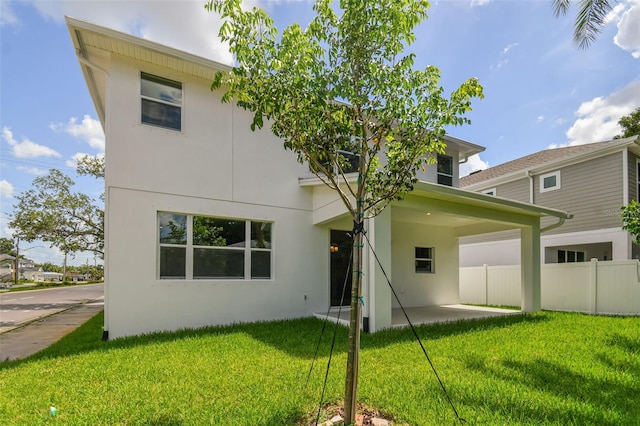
[[544, 368]]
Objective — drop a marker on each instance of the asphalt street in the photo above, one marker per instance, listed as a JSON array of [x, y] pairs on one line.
[[17, 308]]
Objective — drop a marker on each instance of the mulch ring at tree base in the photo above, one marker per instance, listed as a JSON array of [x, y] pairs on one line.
[[333, 414]]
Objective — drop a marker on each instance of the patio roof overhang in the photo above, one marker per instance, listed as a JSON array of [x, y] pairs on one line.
[[470, 213]]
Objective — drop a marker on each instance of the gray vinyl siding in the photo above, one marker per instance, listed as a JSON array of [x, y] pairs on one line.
[[633, 177], [591, 191], [516, 190]]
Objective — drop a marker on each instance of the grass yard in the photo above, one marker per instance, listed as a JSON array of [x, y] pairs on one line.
[[538, 369]]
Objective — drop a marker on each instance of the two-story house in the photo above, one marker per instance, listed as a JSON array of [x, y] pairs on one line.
[[207, 222], [591, 181]]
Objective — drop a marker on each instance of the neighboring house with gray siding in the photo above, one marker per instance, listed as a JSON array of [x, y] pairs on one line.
[[590, 181]]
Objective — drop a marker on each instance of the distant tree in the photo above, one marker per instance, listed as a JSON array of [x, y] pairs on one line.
[[51, 212], [589, 21], [91, 166], [343, 96], [630, 125], [50, 267], [7, 246]]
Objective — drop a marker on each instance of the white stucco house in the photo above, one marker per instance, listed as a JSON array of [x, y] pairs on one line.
[[207, 222]]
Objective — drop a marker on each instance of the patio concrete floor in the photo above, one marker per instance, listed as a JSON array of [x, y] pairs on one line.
[[429, 314]]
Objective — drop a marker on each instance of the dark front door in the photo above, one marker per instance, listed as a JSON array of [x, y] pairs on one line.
[[340, 258]]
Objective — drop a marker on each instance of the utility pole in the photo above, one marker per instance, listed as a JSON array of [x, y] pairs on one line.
[[16, 262]]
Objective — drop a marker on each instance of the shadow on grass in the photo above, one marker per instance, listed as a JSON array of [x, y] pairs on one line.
[[297, 337], [592, 400]]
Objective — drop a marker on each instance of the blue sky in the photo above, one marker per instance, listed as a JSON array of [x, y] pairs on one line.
[[541, 91]]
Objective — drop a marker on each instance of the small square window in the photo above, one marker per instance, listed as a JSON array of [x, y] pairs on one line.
[[424, 260], [550, 181]]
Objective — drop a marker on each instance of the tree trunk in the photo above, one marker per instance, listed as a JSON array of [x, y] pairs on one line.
[[353, 359]]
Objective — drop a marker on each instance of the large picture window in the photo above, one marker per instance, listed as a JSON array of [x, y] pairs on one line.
[[161, 101], [203, 247]]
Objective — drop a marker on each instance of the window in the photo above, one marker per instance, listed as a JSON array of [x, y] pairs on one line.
[[203, 247], [570, 256], [161, 101], [445, 170], [550, 181], [491, 191], [424, 260], [352, 162]]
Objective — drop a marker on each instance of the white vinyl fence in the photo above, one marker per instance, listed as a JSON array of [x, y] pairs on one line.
[[610, 287]]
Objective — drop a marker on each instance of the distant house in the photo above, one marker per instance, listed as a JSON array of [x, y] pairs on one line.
[[207, 222], [43, 276], [591, 181]]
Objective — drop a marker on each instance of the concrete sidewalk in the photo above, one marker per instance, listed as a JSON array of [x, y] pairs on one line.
[[32, 337]]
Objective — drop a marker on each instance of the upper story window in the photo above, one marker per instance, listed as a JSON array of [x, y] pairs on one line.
[[491, 191], [445, 170], [352, 162], [161, 101], [203, 247], [550, 181]]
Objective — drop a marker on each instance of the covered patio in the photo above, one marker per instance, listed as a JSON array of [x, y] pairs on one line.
[[427, 314]]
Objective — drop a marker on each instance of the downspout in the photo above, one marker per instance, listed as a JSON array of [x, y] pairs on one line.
[[531, 197], [625, 178]]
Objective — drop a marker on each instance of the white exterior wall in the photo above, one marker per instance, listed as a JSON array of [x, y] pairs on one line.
[[215, 166], [420, 289], [507, 252]]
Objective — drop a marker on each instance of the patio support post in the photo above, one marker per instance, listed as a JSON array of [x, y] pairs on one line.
[[380, 299], [530, 268]]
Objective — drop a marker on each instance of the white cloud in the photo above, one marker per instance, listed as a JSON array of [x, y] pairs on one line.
[[7, 15], [474, 163], [88, 130], [32, 170], [628, 36], [503, 57], [6, 189], [540, 118], [479, 2], [27, 148], [182, 24], [598, 118]]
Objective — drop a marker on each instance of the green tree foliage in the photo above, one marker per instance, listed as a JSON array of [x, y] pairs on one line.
[[51, 212], [589, 21], [344, 85], [631, 220], [7, 246], [630, 124]]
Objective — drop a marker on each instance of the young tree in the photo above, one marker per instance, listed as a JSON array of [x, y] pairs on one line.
[[590, 20], [631, 220], [630, 124], [341, 93], [51, 212]]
